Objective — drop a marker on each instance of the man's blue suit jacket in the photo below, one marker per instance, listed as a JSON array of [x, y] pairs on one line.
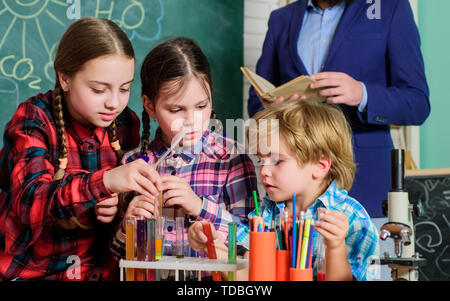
[[383, 53]]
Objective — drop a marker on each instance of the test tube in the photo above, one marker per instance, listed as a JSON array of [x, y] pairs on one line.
[[151, 247], [158, 206], [232, 227], [179, 247], [129, 246], [141, 245], [159, 237], [321, 266]]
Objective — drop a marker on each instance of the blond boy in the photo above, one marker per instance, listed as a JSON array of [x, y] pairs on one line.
[[309, 153]]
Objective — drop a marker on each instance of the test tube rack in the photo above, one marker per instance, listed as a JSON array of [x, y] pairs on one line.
[[186, 263]]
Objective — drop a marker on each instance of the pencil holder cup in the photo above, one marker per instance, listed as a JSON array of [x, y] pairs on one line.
[[283, 259], [300, 274], [262, 256]]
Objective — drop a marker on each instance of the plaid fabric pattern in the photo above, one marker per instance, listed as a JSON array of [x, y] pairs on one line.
[[362, 238], [32, 242], [220, 175]]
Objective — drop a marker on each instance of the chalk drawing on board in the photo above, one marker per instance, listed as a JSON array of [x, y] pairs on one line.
[[30, 38], [446, 220], [426, 242], [17, 64], [443, 261], [133, 17], [4, 83], [159, 28], [446, 194], [423, 196]]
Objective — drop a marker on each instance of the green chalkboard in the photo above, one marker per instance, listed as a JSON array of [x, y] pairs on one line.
[[30, 31], [432, 228]]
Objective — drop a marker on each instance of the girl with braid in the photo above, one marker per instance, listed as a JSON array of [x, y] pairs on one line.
[[59, 178], [204, 179]]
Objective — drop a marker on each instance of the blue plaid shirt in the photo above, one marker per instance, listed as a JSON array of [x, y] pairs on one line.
[[362, 238]]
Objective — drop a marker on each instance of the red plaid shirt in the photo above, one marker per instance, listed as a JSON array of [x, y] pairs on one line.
[[32, 244]]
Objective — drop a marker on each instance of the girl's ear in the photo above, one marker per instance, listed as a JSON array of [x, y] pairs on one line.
[[148, 106], [64, 81], [321, 168]]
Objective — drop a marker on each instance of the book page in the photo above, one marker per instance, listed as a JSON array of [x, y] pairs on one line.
[[299, 85], [258, 82]]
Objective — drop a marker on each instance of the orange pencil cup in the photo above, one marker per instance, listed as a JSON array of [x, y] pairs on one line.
[[262, 256], [301, 274], [283, 258]]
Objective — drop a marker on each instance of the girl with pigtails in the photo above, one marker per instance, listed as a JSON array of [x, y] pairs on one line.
[[59, 180], [205, 176]]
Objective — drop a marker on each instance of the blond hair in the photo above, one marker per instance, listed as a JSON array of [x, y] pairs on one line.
[[314, 130]]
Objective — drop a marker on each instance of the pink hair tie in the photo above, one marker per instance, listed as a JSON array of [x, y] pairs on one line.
[[116, 145], [62, 163]]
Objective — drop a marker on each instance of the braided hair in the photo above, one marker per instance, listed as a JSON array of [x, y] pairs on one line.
[[84, 40]]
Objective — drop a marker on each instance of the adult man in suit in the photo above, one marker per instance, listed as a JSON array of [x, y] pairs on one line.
[[368, 62]]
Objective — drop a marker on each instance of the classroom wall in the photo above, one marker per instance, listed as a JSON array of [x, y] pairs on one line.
[[256, 15], [435, 34], [30, 32]]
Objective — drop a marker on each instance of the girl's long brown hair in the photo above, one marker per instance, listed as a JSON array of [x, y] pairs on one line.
[[84, 40]]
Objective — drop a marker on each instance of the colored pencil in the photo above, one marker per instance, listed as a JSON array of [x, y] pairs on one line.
[[256, 202], [299, 244], [310, 248], [305, 243], [294, 231]]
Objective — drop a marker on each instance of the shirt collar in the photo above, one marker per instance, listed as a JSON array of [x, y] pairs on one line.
[[87, 132], [187, 153], [328, 198], [311, 5]]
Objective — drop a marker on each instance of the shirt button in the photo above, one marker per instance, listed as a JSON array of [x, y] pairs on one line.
[[324, 41], [102, 195]]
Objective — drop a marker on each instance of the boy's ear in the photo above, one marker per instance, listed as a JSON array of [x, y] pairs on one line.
[[148, 106], [321, 168], [64, 81]]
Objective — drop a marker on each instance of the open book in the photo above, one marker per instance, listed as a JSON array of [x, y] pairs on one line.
[[266, 90]]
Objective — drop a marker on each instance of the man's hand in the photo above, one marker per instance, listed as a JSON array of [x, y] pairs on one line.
[[338, 88], [266, 103]]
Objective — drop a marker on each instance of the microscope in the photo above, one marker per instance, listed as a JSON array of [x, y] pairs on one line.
[[400, 224]]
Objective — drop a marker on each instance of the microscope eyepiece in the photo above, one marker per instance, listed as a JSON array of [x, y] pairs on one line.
[[397, 169]]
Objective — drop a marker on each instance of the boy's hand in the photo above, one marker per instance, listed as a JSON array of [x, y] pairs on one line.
[[333, 227], [178, 192], [106, 210]]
